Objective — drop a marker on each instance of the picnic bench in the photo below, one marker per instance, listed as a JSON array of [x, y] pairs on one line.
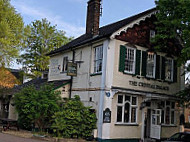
[[7, 123]]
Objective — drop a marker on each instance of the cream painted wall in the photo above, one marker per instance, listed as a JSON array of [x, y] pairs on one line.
[[55, 69], [122, 80], [125, 131]]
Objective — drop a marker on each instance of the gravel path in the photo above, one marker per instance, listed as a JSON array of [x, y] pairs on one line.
[[11, 138]]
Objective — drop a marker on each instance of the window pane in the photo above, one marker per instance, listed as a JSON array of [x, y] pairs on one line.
[[120, 99], [172, 117], [133, 115], [129, 60], [167, 119], [168, 103], [150, 69], [98, 59], [126, 112], [127, 98], [134, 100], [173, 105], [162, 117], [119, 114], [169, 69]]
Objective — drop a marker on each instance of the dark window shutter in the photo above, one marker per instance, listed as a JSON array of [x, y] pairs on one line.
[[138, 62], [175, 71], [122, 58], [163, 68], [157, 75], [144, 61]]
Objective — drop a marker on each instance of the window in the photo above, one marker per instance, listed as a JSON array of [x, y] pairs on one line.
[[169, 69], [65, 61], [151, 65], [98, 56], [168, 112], [152, 34], [130, 56], [126, 109]]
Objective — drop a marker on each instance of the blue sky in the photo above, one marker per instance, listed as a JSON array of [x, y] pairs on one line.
[[70, 15]]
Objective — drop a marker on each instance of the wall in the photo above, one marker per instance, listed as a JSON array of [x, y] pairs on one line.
[[122, 80]]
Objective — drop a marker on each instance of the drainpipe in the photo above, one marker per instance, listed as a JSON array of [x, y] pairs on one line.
[[102, 92], [71, 82]]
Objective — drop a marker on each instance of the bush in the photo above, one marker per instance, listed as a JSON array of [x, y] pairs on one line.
[[36, 106], [74, 120]]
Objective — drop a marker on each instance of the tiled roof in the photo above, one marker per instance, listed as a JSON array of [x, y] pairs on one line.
[[38, 82], [104, 31]]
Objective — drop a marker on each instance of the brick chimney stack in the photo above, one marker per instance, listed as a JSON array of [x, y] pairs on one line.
[[93, 17]]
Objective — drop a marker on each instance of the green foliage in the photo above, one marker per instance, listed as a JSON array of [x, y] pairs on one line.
[[74, 119], [173, 28], [11, 32], [41, 38], [36, 106]]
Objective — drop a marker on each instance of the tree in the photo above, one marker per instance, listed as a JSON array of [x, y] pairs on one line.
[[173, 33], [41, 38], [173, 28], [36, 106], [74, 119], [11, 32]]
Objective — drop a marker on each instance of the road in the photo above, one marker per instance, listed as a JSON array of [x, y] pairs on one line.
[[11, 138]]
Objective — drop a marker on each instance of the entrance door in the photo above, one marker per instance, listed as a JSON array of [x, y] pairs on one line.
[[155, 124]]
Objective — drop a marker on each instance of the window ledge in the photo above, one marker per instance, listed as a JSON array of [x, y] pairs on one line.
[[168, 125], [126, 124], [63, 72], [129, 73], [94, 74]]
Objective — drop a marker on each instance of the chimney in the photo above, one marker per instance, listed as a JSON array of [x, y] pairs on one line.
[[93, 17]]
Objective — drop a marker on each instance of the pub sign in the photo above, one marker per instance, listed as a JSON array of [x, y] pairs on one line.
[[72, 69]]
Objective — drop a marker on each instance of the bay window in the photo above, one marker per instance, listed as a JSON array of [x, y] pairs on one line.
[[126, 109], [169, 69]]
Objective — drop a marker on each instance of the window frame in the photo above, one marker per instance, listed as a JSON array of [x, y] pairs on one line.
[[130, 111], [100, 59], [152, 34], [134, 60], [170, 115], [64, 64], [154, 67], [172, 69]]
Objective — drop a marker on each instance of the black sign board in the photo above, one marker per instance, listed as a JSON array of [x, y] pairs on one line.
[[107, 116]]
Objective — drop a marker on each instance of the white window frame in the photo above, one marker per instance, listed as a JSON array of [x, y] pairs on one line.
[[123, 109], [170, 117], [64, 64], [98, 59], [134, 60], [152, 75], [172, 69]]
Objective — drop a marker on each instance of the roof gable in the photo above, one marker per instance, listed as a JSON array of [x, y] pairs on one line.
[[107, 31]]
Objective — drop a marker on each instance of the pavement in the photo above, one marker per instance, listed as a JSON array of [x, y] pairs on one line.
[[11, 138]]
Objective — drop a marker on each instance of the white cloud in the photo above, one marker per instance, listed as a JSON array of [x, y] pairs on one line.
[[35, 12]]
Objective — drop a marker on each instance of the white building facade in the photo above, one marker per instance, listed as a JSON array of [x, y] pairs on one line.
[[130, 86]]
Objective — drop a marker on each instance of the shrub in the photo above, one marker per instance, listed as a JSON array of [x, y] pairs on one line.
[[36, 106], [74, 119]]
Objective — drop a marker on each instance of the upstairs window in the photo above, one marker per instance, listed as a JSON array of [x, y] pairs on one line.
[[152, 34], [169, 69], [130, 56], [65, 61], [98, 56], [151, 65]]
